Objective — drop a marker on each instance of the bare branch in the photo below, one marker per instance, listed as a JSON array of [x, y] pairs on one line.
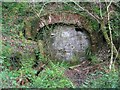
[[96, 18], [100, 10], [110, 31]]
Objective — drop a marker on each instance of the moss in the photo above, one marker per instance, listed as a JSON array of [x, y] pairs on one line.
[[31, 26]]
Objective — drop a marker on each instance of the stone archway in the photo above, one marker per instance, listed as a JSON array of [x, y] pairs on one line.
[[34, 25]]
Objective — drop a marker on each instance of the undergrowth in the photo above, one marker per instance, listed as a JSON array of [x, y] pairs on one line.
[[51, 77], [105, 80]]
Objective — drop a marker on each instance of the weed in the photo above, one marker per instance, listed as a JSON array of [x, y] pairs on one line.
[[91, 56]]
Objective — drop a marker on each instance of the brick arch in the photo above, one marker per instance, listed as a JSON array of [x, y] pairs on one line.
[[66, 18]]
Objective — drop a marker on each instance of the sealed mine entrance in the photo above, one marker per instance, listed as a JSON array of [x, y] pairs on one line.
[[64, 42]]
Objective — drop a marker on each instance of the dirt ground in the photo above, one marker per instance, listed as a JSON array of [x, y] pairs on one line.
[[79, 73]]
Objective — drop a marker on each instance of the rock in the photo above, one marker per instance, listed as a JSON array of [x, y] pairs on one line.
[[65, 43]]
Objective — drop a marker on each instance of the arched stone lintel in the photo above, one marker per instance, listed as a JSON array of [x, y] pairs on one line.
[[66, 18]]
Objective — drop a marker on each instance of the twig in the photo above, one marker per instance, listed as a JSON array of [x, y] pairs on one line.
[[88, 68], [40, 69], [72, 67]]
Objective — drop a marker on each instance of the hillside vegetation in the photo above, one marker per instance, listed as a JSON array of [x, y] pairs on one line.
[[23, 65]]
